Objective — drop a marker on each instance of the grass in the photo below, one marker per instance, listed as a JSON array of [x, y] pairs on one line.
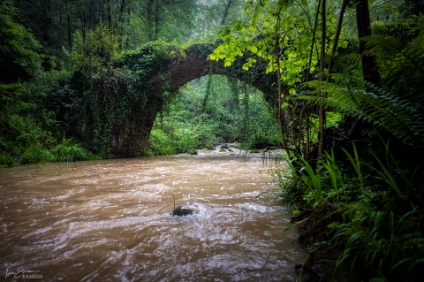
[[376, 221], [69, 151]]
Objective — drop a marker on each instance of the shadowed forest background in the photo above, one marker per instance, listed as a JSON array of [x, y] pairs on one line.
[[347, 107]]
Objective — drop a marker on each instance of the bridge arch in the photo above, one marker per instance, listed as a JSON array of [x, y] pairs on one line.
[[130, 137]]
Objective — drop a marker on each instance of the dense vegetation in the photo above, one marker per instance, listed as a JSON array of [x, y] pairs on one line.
[[348, 110], [212, 110], [72, 69], [357, 185]]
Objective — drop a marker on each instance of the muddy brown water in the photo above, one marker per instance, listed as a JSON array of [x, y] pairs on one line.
[[111, 220]]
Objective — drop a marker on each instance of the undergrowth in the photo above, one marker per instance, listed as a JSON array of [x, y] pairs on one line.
[[367, 212]]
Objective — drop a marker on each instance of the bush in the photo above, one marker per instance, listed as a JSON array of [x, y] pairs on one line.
[[6, 161], [375, 223], [187, 139], [161, 144], [69, 151], [36, 154]]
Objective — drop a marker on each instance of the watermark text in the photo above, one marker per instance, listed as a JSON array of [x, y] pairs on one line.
[[23, 273]]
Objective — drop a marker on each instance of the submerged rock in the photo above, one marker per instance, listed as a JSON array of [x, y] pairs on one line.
[[181, 210]]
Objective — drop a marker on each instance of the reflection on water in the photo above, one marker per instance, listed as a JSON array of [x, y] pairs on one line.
[[111, 221]]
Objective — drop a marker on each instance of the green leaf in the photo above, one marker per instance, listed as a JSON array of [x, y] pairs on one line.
[[378, 279], [292, 91]]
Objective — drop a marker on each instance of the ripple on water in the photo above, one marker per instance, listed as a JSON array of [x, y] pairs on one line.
[[112, 221]]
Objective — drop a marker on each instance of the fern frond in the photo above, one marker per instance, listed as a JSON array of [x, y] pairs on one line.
[[398, 116], [401, 65], [398, 106]]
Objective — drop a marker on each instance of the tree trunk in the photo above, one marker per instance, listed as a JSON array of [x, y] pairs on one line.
[[68, 17], [83, 21], [280, 93], [308, 71], [369, 65], [321, 111], [109, 15], [225, 15], [337, 36], [120, 28], [313, 42]]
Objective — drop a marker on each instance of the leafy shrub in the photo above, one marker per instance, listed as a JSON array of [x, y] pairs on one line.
[[161, 144], [19, 59], [376, 221], [186, 139], [25, 132], [36, 154], [388, 244], [69, 151], [6, 161]]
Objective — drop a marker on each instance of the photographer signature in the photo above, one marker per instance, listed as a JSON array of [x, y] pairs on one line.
[[19, 272]]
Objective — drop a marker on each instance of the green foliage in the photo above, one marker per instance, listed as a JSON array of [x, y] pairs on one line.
[[376, 222], [22, 132], [6, 161], [206, 112], [148, 60], [370, 195], [36, 154], [154, 20], [28, 126], [100, 93], [94, 53], [18, 48], [396, 107], [287, 182], [161, 144], [312, 181], [389, 245], [69, 151], [398, 116], [199, 50], [290, 22]]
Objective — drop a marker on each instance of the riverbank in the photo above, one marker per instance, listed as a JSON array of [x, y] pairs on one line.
[[366, 219]]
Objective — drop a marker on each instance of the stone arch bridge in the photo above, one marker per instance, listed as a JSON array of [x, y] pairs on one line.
[[169, 70]]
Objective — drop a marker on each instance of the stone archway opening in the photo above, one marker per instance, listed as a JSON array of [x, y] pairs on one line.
[[214, 109]]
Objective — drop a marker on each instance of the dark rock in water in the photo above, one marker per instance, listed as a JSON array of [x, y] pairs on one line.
[[181, 210], [224, 146]]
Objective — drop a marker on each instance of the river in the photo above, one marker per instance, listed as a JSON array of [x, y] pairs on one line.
[[111, 220]]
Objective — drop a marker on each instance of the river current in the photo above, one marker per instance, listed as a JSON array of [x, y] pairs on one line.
[[111, 220]]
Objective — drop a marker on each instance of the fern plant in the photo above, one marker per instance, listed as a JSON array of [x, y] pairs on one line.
[[397, 105], [382, 108]]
